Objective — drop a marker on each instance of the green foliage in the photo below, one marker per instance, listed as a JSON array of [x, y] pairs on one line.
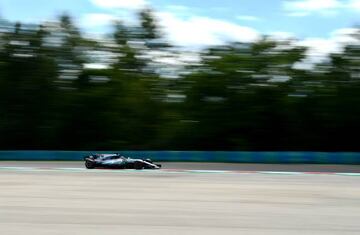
[[239, 97]]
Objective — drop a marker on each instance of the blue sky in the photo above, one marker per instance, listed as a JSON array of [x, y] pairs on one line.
[[203, 21]]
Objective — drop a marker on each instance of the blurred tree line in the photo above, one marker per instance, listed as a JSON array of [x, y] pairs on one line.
[[133, 90]]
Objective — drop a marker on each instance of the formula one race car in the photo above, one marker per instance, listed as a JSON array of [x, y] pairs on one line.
[[116, 161]]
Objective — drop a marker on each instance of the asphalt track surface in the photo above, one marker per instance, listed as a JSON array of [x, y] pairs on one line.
[[206, 166], [63, 198]]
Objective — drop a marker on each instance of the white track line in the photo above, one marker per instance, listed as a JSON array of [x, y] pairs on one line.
[[167, 171]]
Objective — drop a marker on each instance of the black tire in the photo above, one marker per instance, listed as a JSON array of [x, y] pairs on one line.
[[138, 166], [89, 164]]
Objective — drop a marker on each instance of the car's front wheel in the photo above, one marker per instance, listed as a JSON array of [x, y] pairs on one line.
[[138, 166]]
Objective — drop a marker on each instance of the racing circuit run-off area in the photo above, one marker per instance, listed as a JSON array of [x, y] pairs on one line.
[[61, 201]]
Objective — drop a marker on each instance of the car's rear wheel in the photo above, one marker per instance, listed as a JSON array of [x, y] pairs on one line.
[[89, 164]]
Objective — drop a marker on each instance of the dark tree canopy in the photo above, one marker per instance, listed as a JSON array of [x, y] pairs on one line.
[[60, 90]]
